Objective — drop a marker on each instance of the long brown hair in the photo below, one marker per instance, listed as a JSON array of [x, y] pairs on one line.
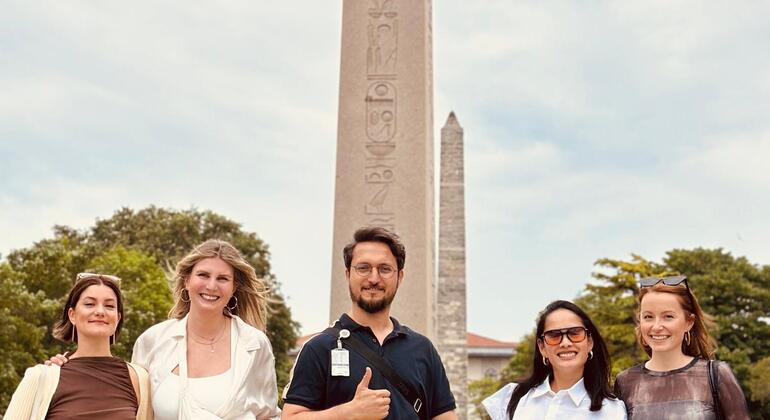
[[251, 292], [701, 343], [63, 330]]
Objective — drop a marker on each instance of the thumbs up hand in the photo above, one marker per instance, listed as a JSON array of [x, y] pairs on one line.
[[369, 404]]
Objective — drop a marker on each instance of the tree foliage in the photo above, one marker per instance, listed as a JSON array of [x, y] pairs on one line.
[[141, 247], [24, 317], [733, 291], [478, 390], [759, 381]]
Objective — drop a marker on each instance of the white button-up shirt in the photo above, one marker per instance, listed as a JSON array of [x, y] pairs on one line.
[[542, 403]]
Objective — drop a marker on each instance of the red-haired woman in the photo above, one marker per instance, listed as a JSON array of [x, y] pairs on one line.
[[680, 380]]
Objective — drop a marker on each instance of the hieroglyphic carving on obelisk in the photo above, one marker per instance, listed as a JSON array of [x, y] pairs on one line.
[[451, 327], [385, 145]]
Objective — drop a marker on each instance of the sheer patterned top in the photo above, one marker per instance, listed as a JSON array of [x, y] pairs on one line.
[[94, 387], [682, 393]]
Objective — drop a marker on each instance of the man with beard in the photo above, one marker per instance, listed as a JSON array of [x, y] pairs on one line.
[[327, 385]]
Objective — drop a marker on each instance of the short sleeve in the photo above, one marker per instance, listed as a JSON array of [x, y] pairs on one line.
[[731, 398], [497, 403], [307, 382], [441, 399]]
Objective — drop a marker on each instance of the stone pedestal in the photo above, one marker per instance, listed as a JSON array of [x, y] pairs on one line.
[[450, 309], [385, 146]]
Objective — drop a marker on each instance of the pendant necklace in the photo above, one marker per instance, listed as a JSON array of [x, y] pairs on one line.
[[208, 342]]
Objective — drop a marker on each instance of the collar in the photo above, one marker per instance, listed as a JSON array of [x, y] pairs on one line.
[[576, 393], [178, 329], [246, 336], [347, 322]]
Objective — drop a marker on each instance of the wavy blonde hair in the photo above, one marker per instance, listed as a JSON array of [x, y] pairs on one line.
[[701, 343], [253, 293]]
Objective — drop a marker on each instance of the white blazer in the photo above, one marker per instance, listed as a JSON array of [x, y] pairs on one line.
[[254, 393]]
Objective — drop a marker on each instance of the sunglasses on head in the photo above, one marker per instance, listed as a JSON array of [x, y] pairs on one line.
[[554, 337], [86, 276], [668, 281]]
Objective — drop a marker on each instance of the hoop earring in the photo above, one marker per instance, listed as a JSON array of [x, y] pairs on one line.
[[687, 337], [590, 355], [545, 360], [181, 297], [234, 306]]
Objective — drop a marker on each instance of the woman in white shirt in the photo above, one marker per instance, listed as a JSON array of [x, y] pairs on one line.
[[212, 360], [570, 373]]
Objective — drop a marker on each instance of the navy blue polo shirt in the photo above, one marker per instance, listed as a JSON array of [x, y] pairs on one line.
[[411, 354]]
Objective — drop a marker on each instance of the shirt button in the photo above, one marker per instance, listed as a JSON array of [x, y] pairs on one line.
[[374, 340]]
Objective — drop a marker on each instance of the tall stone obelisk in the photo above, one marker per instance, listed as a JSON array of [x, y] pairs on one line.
[[385, 145], [450, 309]]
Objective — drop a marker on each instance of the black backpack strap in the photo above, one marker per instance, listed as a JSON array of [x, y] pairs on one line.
[[384, 368], [714, 385]]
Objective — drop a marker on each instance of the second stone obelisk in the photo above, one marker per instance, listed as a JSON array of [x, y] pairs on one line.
[[385, 145]]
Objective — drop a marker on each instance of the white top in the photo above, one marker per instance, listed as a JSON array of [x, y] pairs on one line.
[[542, 403], [252, 392], [210, 392]]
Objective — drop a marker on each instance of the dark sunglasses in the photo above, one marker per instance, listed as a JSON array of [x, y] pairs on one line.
[[668, 281], [575, 335]]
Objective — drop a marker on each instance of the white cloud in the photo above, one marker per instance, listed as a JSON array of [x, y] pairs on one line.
[[591, 130]]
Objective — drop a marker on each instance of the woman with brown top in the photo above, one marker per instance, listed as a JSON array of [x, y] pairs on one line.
[[680, 381], [94, 384]]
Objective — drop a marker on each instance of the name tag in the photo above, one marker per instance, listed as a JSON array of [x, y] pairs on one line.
[[340, 362]]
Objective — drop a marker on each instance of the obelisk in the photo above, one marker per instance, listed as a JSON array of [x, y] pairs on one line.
[[385, 146], [450, 309]]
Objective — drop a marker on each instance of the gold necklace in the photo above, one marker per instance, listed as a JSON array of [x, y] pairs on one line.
[[208, 342]]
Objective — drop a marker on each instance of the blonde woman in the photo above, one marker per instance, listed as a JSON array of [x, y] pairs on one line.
[[212, 360], [94, 384]]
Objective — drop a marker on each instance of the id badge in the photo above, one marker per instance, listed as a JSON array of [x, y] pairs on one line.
[[340, 362]]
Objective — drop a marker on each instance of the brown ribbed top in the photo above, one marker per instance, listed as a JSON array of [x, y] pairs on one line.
[[94, 387]]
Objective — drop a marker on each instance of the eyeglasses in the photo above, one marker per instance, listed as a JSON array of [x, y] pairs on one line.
[[575, 335], [86, 276], [385, 271], [668, 281]]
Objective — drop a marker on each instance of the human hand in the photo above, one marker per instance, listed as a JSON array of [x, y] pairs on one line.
[[369, 404], [58, 360]]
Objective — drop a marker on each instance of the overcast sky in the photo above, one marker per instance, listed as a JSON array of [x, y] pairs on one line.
[[592, 129]]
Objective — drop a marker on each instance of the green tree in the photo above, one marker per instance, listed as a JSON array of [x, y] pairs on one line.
[[24, 317], [480, 389], [520, 364], [51, 264], [759, 382]]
